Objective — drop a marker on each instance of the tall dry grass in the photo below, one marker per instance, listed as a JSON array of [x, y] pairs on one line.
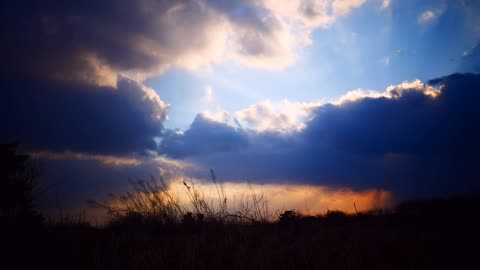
[[153, 201]]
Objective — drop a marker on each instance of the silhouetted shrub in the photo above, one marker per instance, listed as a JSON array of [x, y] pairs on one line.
[[19, 183], [336, 216], [287, 216]]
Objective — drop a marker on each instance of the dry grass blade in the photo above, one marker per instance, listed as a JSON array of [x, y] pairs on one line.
[[153, 201]]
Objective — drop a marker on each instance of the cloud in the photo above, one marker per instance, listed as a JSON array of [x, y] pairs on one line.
[[283, 117], [204, 136], [310, 13], [470, 62], [431, 15], [87, 42], [392, 92], [57, 116], [426, 16], [412, 139], [105, 159], [76, 177], [344, 7], [287, 116], [208, 95], [386, 4]]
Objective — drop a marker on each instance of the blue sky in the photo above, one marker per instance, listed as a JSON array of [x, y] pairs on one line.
[[372, 48]]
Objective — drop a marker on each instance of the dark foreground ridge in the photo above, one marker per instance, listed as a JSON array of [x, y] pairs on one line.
[[430, 234], [427, 234]]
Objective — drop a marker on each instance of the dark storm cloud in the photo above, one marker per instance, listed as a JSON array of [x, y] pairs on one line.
[[74, 178], [64, 65], [92, 40], [58, 39], [61, 116], [411, 143], [203, 137]]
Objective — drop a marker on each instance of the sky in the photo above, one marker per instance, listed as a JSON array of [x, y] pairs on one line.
[[341, 99]]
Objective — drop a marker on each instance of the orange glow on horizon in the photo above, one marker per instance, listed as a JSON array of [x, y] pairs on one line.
[[302, 198]]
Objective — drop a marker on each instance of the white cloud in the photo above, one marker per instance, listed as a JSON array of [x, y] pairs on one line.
[[219, 116], [431, 15], [285, 116], [396, 91], [291, 24], [357, 94], [392, 92], [386, 4], [208, 95], [147, 96], [344, 7], [426, 16]]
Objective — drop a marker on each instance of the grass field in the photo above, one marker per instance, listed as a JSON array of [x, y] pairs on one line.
[[429, 234]]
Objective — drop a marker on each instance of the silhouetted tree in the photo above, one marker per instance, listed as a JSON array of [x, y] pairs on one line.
[[288, 216], [19, 181]]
